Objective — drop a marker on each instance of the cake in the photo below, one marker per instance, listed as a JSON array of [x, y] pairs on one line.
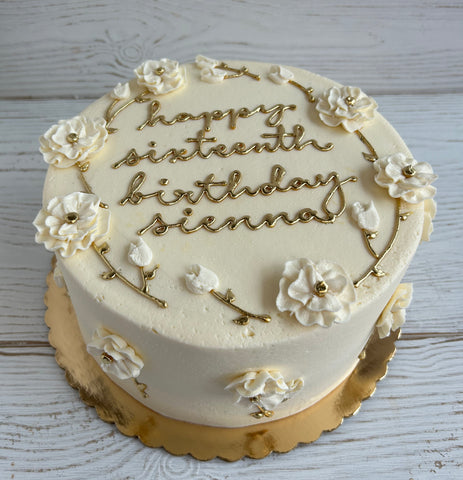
[[231, 234]]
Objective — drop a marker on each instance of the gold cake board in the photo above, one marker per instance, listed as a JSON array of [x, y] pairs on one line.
[[132, 418]]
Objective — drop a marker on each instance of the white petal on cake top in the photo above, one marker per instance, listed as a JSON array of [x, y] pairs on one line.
[[72, 141], [114, 355], [160, 76], [366, 216], [269, 385], [140, 254], [200, 280], [121, 91], [280, 75], [315, 293], [393, 315], [209, 71], [405, 178], [71, 223], [346, 106]]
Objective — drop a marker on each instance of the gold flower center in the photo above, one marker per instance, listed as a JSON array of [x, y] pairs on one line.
[[321, 288], [408, 171], [160, 70], [72, 138], [106, 358], [71, 217], [350, 101]]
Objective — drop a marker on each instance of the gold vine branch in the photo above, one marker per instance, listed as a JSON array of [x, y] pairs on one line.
[[112, 273], [110, 115], [237, 72], [262, 412], [307, 91], [375, 269], [83, 167], [141, 387], [228, 299]]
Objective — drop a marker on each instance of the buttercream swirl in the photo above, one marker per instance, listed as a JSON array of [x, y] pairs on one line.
[[70, 223], [405, 178], [315, 293], [280, 75], [209, 71], [114, 355], [160, 76], [346, 106], [393, 315], [269, 385], [72, 141]]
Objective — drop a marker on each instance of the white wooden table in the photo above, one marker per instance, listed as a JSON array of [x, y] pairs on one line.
[[57, 56]]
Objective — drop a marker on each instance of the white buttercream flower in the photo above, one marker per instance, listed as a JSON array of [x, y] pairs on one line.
[[315, 293], [114, 355], [72, 141], [209, 71], [140, 254], [429, 213], [269, 385], [405, 178], [346, 106], [393, 315], [121, 91], [201, 280], [160, 76], [366, 216], [70, 223], [280, 75]]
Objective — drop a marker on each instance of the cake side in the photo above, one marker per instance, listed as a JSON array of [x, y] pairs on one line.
[[304, 186]]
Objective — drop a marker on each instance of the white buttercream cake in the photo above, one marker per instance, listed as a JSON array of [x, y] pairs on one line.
[[232, 234]]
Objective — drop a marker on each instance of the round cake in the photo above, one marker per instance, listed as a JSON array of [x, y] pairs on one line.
[[232, 234]]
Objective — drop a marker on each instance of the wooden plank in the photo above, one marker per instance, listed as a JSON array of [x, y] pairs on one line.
[[66, 49], [411, 428]]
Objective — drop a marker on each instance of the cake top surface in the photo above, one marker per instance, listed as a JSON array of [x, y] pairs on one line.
[[232, 206]]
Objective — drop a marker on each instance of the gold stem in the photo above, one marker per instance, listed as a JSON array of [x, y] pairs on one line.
[[244, 313], [238, 72], [105, 248], [87, 187], [390, 244], [110, 116], [368, 244], [308, 91]]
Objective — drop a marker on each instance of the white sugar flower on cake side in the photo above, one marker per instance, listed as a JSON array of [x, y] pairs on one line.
[[114, 355], [268, 386], [393, 315]]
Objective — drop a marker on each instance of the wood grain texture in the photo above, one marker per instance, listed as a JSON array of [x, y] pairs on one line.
[[386, 47], [412, 428]]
